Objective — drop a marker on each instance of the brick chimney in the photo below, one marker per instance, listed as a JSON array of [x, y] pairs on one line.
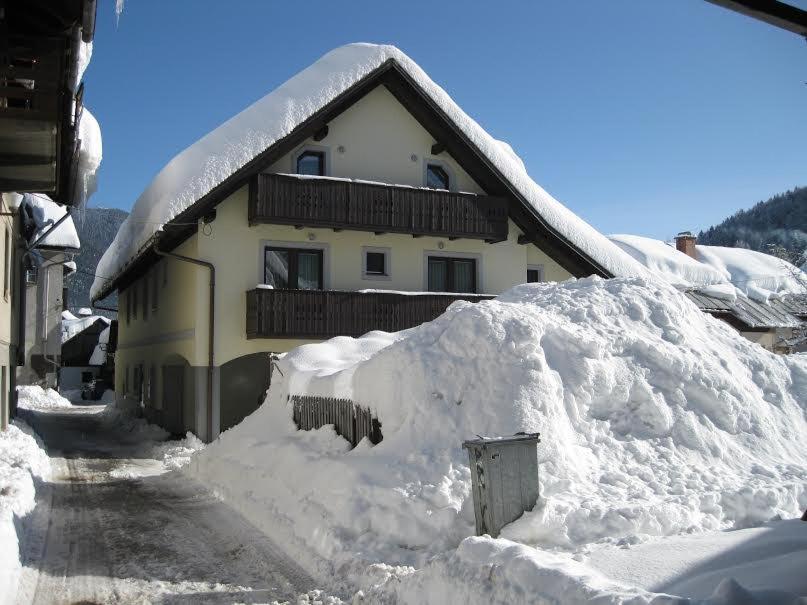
[[685, 242]]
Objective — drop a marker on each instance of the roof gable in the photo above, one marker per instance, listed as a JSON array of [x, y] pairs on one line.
[[218, 164]]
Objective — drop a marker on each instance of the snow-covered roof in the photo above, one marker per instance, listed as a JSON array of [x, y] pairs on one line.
[[72, 325], [39, 214], [757, 274], [666, 261], [197, 170]]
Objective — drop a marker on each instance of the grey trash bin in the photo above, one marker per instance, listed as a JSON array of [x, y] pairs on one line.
[[504, 479]]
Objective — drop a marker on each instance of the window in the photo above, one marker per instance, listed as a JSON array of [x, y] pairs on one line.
[[7, 266], [30, 276], [299, 268], [448, 274], [535, 273], [155, 288], [146, 296], [375, 263], [311, 162], [437, 177]]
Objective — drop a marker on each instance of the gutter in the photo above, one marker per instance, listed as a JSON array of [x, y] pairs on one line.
[[210, 327]]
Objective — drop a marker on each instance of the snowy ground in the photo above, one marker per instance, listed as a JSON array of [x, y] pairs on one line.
[[113, 524]]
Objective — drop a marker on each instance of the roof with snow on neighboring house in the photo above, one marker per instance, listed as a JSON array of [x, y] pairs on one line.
[[39, 214], [220, 154]]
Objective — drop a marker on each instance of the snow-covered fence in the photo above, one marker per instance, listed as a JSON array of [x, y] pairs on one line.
[[351, 421]]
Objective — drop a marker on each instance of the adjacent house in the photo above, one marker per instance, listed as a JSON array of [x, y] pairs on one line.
[[357, 196], [86, 339], [761, 296], [9, 307], [49, 227]]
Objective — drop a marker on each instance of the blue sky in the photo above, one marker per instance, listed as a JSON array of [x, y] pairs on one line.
[[644, 117]]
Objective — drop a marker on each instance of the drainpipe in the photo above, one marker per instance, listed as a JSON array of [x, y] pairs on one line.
[[210, 327]]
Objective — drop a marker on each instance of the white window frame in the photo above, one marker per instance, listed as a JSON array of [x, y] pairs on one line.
[[326, 257], [318, 148], [480, 284], [387, 252], [540, 269]]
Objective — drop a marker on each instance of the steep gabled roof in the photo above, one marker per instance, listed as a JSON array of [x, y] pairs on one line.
[[221, 162]]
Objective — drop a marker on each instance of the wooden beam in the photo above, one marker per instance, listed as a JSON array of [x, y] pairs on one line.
[[525, 239], [25, 159], [438, 148], [772, 12], [321, 133]]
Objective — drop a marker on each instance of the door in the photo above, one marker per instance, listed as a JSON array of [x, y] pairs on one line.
[[173, 398]]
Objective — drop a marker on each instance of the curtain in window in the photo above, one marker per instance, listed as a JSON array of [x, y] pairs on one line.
[[276, 272], [463, 275], [438, 275], [308, 265]]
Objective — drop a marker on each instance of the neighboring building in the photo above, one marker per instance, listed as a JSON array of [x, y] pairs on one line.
[[85, 358], [45, 269], [355, 197], [48, 142], [761, 296]]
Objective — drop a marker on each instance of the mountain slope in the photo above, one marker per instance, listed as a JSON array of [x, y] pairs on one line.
[[780, 221], [96, 229]]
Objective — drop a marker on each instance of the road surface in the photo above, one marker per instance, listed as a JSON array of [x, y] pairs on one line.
[[111, 526]]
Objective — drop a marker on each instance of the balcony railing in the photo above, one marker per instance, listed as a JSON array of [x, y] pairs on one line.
[[344, 204], [329, 313]]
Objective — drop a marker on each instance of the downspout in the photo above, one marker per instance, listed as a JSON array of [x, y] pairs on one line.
[[210, 327]]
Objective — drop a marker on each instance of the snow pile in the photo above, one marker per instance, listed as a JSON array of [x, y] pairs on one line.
[[34, 397], [22, 460], [90, 153], [656, 420], [218, 155], [759, 275], [98, 357], [125, 415], [176, 454], [39, 214], [667, 262]]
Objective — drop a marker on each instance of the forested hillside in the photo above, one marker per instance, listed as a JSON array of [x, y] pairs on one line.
[[780, 221], [96, 229]]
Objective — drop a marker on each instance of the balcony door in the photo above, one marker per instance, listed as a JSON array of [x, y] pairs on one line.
[[448, 274], [296, 268]]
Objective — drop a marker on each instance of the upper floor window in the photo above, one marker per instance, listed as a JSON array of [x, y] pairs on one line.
[[535, 273], [311, 162], [299, 268], [437, 177]]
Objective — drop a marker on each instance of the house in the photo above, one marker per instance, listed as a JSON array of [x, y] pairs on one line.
[[50, 228], [357, 196], [48, 142], [85, 341], [761, 296]]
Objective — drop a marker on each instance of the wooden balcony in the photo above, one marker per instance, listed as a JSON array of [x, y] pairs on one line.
[[329, 313], [342, 204]]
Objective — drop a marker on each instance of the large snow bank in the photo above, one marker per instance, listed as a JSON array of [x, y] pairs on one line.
[[198, 169], [34, 397], [22, 460], [664, 260], [40, 214], [656, 420], [757, 274]]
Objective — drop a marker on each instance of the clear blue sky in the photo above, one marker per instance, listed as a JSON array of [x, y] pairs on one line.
[[644, 117]]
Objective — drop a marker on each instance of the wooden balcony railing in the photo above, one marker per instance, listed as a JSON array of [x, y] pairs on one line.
[[329, 313], [343, 204]]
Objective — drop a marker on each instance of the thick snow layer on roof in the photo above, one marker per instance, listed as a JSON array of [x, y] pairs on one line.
[[98, 357], [43, 213], [198, 169], [757, 274], [656, 420], [74, 325], [664, 260]]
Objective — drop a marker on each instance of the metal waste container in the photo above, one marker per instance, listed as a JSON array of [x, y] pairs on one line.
[[504, 479]]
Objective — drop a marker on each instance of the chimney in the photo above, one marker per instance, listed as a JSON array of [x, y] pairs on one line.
[[685, 242]]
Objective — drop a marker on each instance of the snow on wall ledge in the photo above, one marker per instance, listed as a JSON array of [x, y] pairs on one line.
[[201, 167], [656, 419]]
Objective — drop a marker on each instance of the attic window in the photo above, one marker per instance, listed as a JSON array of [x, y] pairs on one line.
[[437, 177], [311, 162]]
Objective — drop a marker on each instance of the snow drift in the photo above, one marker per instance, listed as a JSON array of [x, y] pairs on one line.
[[656, 420], [218, 155]]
